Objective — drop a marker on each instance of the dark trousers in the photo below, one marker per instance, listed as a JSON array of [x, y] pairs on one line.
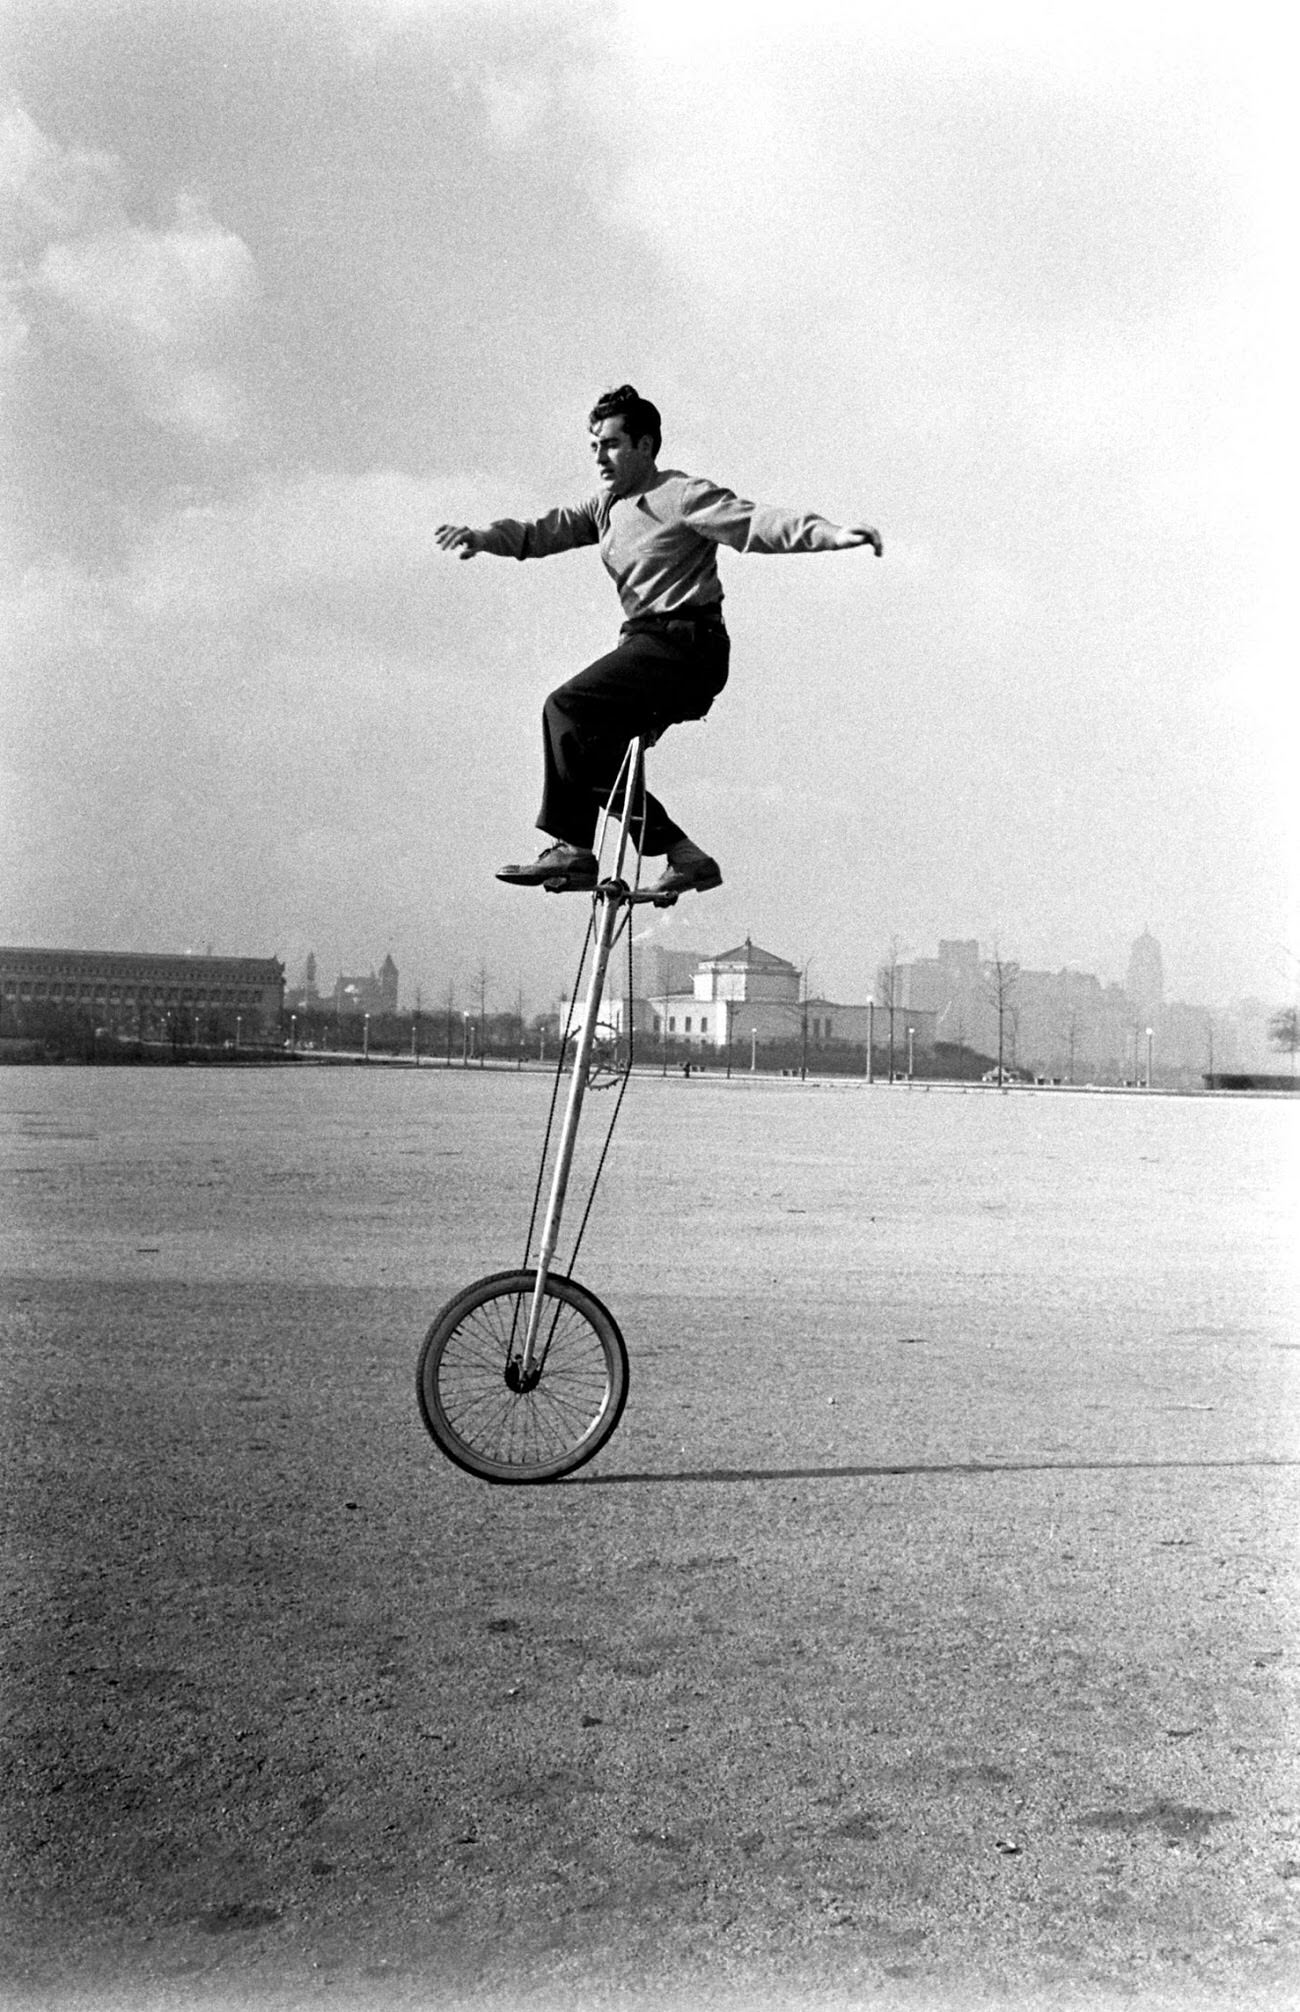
[[663, 670]]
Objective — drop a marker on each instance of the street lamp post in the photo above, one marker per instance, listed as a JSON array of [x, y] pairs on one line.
[[365, 1038], [1150, 1041], [892, 1006], [911, 1039], [871, 1033], [753, 1050]]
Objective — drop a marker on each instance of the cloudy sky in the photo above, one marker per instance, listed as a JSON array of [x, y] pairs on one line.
[[290, 282]]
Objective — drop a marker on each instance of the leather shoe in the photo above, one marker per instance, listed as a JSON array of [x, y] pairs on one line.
[[697, 874], [560, 866]]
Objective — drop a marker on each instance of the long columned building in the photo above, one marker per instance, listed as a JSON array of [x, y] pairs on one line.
[[140, 994]]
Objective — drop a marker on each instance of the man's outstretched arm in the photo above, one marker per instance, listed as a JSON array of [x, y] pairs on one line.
[[727, 519], [458, 538], [558, 531], [859, 534]]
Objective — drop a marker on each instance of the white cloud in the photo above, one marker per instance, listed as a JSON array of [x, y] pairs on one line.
[[163, 304], [171, 290], [1110, 39], [995, 606], [275, 713], [162, 307], [786, 155], [516, 105], [51, 191], [298, 540]]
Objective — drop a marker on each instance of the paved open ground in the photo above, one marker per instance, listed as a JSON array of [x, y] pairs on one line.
[[925, 1638]]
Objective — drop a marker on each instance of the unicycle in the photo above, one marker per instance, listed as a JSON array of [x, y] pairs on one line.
[[523, 1375]]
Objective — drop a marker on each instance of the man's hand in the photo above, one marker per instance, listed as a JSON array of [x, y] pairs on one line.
[[859, 534], [458, 538]]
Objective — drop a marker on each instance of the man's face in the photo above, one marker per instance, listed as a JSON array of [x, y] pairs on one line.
[[623, 465]]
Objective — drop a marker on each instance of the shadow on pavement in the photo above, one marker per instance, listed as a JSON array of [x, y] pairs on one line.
[[699, 1474]]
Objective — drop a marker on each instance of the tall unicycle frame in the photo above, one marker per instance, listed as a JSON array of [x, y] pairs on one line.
[[523, 1375]]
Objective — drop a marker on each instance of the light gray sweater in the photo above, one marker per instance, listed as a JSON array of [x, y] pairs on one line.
[[660, 545]]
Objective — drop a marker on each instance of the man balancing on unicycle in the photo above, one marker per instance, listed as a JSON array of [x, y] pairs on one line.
[[658, 532]]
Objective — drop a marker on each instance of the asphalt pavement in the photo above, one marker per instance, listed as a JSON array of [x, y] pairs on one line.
[[925, 1638]]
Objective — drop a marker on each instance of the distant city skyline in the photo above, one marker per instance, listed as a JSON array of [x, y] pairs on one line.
[[1065, 1009], [290, 286], [1138, 958], [1063, 1023], [383, 974]]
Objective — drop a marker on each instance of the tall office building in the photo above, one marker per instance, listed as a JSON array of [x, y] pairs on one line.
[[1145, 983]]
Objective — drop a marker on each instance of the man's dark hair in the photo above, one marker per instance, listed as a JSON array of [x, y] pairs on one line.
[[638, 415]]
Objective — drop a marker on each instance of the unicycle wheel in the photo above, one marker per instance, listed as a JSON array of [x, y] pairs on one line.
[[504, 1427]]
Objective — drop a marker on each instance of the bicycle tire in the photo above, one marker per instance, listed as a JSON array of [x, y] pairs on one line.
[[502, 1433]]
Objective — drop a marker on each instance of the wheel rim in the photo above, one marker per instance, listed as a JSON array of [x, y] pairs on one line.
[[485, 1421]]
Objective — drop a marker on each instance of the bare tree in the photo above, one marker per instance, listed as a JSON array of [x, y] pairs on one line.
[[1072, 1029], [450, 1011], [519, 1024], [887, 983], [1001, 979], [481, 981], [1284, 1032]]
